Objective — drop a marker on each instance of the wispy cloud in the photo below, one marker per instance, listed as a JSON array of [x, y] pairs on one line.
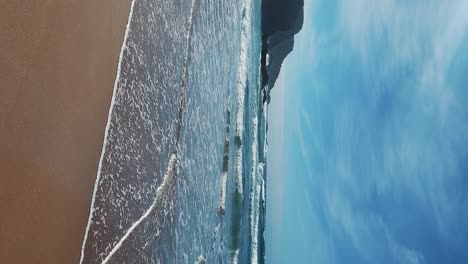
[[447, 40], [398, 135], [368, 233], [405, 25], [426, 35]]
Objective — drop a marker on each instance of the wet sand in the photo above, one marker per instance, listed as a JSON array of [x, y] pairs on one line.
[[58, 62]]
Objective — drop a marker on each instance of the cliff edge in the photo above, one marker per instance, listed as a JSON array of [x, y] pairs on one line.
[[281, 20]]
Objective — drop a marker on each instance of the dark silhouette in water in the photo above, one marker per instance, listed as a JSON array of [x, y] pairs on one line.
[[281, 20]]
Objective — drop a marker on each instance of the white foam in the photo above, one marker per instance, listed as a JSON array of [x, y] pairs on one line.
[[187, 46], [109, 117], [238, 172], [201, 260], [243, 67], [254, 195], [261, 167], [169, 173], [254, 224], [241, 87], [265, 124], [222, 198], [235, 256], [169, 180]]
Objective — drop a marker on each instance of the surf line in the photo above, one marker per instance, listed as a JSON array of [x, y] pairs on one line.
[[106, 133], [169, 175]]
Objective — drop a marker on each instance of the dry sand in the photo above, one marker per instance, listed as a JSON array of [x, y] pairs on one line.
[[58, 60]]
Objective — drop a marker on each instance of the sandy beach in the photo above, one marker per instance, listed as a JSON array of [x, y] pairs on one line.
[[58, 62]]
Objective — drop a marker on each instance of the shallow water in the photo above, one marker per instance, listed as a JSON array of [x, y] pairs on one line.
[[188, 67]]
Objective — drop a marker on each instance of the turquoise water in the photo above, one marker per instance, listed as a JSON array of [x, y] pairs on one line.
[[226, 82], [181, 177]]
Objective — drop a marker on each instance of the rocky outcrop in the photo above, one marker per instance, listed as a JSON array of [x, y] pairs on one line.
[[281, 20]]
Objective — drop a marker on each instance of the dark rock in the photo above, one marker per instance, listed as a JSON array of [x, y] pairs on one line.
[[281, 20]]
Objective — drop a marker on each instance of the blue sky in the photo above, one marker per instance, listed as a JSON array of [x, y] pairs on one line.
[[368, 140]]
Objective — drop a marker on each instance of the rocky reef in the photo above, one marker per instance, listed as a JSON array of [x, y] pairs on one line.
[[281, 20]]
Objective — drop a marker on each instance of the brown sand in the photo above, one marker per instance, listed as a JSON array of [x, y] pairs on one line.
[[58, 60]]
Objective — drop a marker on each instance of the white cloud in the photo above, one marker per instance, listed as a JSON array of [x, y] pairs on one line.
[[428, 33], [404, 23], [424, 33], [433, 84], [404, 255], [369, 234]]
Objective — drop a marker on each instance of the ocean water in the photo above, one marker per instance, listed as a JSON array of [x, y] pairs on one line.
[[182, 173]]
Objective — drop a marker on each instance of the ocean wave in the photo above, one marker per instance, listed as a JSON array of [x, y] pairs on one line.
[[161, 192], [106, 133], [201, 260], [131, 189], [254, 193], [222, 198], [225, 167]]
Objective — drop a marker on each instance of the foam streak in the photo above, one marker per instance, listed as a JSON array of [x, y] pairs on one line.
[[168, 178], [106, 133]]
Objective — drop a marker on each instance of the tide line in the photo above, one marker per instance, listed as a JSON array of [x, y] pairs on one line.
[[169, 175], [109, 118]]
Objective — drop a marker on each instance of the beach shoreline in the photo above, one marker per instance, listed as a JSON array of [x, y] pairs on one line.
[[58, 62]]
